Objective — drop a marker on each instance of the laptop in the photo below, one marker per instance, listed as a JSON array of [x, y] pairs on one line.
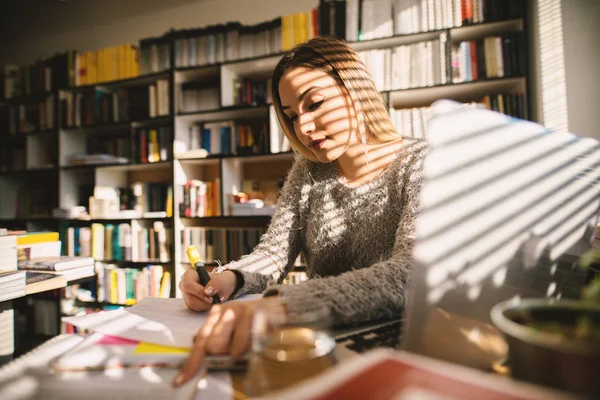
[[506, 209]]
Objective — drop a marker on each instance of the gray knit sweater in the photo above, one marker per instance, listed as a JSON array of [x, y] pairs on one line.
[[356, 241]]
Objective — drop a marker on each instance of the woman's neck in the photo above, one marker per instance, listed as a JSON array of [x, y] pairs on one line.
[[363, 163]]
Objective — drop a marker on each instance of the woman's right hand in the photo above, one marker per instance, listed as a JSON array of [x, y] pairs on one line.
[[198, 297]]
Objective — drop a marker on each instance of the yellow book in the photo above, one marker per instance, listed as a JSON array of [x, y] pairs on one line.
[[37, 237], [114, 292], [92, 67], [287, 31], [121, 61], [113, 63], [169, 205], [100, 66], [153, 149], [165, 285], [128, 62]]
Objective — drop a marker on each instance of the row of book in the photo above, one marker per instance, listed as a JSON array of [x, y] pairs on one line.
[[119, 242], [198, 96], [491, 57], [251, 92], [70, 267], [413, 122], [228, 42], [126, 286], [103, 106], [42, 252], [415, 65], [231, 137], [352, 20], [45, 75], [372, 19], [153, 145], [12, 158], [107, 64], [199, 198], [70, 69], [33, 116], [220, 244], [119, 145]]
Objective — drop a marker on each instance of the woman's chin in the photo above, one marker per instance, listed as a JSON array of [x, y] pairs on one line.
[[326, 156]]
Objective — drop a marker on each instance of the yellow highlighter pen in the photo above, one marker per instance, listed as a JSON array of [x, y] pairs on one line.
[[198, 265]]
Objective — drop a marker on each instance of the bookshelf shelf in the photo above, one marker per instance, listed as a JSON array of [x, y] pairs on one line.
[[75, 167], [109, 220], [40, 133], [226, 113], [213, 159], [479, 30], [99, 127], [24, 218], [25, 99], [138, 263], [254, 221], [28, 171], [201, 72], [249, 158], [152, 121], [464, 91], [136, 167], [398, 40]]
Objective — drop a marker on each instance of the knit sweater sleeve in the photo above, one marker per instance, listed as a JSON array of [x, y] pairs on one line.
[[377, 291], [278, 248]]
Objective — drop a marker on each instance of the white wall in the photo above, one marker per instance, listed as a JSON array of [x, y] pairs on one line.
[[581, 37], [38, 28]]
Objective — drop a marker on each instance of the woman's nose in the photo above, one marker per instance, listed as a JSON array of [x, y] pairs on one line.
[[306, 124]]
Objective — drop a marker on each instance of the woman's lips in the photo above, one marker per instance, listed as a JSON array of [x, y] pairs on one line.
[[317, 144]]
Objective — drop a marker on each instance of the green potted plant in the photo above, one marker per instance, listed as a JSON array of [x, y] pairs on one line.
[[556, 342]]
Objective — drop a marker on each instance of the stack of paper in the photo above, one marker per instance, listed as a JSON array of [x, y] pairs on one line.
[[155, 331]]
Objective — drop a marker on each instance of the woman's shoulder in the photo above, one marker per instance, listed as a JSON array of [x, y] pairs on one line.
[[415, 147]]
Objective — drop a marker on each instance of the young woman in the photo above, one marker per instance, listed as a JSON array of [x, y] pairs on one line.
[[349, 205]]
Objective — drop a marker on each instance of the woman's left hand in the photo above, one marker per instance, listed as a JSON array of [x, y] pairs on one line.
[[227, 330]]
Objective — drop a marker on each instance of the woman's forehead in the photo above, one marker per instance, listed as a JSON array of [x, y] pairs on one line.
[[299, 79]]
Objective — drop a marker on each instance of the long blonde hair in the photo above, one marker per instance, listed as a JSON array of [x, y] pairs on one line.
[[336, 58]]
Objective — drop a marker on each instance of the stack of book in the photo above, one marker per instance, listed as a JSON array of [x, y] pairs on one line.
[[41, 252], [12, 285], [71, 267]]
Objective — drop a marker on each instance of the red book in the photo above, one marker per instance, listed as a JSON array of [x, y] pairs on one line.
[[474, 74]]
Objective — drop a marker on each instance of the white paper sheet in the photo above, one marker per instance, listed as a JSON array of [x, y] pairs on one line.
[[166, 322], [29, 378]]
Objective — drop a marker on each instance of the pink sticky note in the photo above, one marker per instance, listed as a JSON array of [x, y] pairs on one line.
[[107, 339]]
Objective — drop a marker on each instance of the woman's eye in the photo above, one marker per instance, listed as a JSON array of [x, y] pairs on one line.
[[292, 118], [315, 105]]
